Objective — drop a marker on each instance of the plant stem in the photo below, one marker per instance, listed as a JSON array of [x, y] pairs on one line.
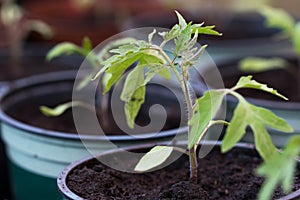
[[192, 151], [193, 164], [161, 51], [184, 86]]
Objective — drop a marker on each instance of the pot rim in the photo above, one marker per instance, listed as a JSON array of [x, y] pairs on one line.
[[14, 86], [66, 192]]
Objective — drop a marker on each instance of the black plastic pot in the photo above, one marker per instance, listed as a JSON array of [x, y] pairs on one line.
[[51, 150], [31, 62], [62, 181]]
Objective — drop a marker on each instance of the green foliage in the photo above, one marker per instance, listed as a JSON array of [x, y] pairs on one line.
[[280, 19], [296, 38], [147, 60], [245, 114], [206, 109], [156, 156], [208, 30], [68, 48], [133, 94], [279, 170], [247, 82], [60, 109], [256, 64], [257, 118]]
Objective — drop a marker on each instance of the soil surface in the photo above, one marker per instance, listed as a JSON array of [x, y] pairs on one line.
[[28, 111], [221, 176]]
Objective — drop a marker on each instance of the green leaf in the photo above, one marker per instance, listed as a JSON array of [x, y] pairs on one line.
[[151, 57], [85, 81], [150, 36], [193, 41], [279, 170], [60, 109], [162, 71], [246, 114], [105, 78], [236, 128], [270, 119], [66, 48], [207, 107], [134, 80], [104, 54], [133, 106], [106, 64], [194, 59], [87, 44], [157, 69], [262, 139], [247, 82], [207, 30], [182, 40], [296, 38], [118, 66], [278, 18], [133, 94], [156, 65], [181, 21], [125, 49], [155, 157], [255, 64], [257, 118], [173, 33]]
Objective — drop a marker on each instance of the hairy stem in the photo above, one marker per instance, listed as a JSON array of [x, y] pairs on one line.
[[184, 86], [183, 80], [193, 164], [161, 51], [192, 151]]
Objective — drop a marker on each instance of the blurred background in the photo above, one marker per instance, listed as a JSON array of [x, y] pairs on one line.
[[71, 20]]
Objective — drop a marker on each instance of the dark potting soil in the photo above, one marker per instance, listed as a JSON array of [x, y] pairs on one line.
[[221, 176], [28, 111]]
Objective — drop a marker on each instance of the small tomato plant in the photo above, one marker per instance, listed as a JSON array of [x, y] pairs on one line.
[[202, 111]]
